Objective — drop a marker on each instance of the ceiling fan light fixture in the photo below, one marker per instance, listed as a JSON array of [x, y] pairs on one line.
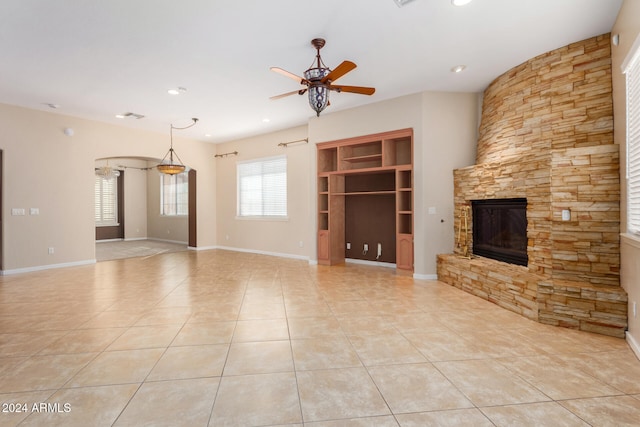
[[318, 92], [319, 80]]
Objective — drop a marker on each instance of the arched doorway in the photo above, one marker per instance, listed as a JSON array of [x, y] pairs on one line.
[[147, 219]]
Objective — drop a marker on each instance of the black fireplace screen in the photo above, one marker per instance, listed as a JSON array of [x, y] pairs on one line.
[[500, 229]]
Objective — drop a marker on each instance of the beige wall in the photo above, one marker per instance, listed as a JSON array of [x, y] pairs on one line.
[[450, 123], [627, 26], [444, 127], [48, 170], [34, 144], [135, 201], [288, 237]]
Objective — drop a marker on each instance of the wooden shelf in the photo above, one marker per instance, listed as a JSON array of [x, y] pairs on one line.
[[360, 193], [359, 159], [360, 171]]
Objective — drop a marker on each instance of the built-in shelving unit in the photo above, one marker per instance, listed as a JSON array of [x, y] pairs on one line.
[[367, 166]]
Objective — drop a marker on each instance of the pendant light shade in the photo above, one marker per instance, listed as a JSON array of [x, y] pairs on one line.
[[168, 165]]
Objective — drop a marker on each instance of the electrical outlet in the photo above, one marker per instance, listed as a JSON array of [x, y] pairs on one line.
[[301, 244], [635, 312], [51, 250], [366, 247], [348, 245]]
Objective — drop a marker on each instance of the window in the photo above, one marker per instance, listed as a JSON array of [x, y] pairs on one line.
[[106, 200], [262, 188], [174, 194], [632, 74]]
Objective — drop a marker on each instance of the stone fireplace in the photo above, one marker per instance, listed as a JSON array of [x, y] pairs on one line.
[[546, 135], [500, 229]]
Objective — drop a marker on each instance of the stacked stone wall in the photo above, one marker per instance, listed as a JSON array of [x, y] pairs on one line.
[[547, 135]]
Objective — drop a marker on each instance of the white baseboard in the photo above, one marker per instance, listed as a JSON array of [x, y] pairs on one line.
[[372, 263], [133, 239], [46, 267], [425, 276], [202, 248], [635, 346]]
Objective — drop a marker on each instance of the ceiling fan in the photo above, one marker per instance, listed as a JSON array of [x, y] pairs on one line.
[[318, 80]]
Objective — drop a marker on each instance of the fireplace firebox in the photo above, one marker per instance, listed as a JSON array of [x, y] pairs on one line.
[[500, 229]]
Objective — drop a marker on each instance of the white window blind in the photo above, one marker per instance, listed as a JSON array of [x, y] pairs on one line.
[[632, 73], [106, 201], [174, 194], [262, 187]]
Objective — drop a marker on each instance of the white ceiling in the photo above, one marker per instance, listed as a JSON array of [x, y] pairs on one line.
[[98, 58]]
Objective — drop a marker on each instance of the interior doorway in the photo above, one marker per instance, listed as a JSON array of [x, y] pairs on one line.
[[147, 224]]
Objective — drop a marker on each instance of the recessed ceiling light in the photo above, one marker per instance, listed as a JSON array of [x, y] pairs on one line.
[[177, 91], [458, 68], [207, 135], [119, 116], [266, 120], [460, 2]]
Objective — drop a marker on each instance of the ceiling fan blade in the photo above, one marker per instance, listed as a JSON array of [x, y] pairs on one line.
[[354, 89], [295, 92], [286, 73], [339, 71]]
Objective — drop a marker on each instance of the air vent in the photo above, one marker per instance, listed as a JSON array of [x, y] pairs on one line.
[[130, 115]]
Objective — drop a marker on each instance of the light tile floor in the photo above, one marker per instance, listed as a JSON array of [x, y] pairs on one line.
[[219, 338], [108, 250]]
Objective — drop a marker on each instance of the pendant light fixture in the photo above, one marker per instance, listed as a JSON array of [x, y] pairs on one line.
[[168, 166], [107, 172]]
